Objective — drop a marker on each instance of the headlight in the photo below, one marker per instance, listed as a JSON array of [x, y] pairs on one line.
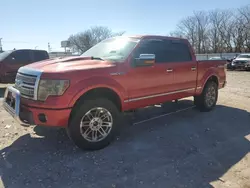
[[51, 87]]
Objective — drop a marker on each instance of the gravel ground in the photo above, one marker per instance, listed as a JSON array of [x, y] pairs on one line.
[[185, 149]]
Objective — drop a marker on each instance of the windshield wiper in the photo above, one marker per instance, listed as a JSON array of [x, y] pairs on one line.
[[96, 58]]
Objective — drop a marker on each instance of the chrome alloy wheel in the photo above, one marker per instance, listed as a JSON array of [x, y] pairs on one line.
[[210, 96], [96, 124]]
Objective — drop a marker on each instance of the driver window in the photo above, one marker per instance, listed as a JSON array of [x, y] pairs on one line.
[[20, 57], [145, 47], [151, 47]]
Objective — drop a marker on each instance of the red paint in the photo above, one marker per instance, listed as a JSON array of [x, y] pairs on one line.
[[54, 117], [86, 74]]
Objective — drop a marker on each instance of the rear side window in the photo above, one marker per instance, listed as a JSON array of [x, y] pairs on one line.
[[177, 51], [21, 57], [39, 55]]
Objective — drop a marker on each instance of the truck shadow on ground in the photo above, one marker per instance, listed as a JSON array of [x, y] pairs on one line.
[[188, 149]]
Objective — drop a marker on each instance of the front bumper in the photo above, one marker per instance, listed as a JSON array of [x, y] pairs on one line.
[[13, 105], [239, 66], [27, 115]]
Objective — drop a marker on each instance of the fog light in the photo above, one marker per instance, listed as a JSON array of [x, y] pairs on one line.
[[42, 118]]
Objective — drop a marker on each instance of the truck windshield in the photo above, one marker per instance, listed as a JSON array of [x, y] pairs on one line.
[[3, 55], [114, 49]]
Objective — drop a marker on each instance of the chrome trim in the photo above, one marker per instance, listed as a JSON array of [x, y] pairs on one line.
[[193, 68], [35, 72], [198, 87], [147, 57], [29, 86], [13, 112], [117, 73], [169, 70], [158, 95]]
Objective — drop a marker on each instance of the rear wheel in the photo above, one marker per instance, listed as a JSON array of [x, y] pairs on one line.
[[94, 124], [208, 99]]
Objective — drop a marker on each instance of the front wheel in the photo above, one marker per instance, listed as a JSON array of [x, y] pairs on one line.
[[94, 124], [208, 99]]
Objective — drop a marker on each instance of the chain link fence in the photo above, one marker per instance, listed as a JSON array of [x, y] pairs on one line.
[[215, 55]]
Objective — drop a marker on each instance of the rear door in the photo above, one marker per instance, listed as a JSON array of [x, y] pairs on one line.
[[184, 68]]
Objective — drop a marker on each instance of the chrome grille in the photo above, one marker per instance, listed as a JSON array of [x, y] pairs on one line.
[[26, 84]]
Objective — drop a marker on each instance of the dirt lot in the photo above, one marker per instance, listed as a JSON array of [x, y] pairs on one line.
[[185, 149]]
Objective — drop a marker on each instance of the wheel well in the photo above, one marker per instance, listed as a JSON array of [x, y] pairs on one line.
[[98, 93], [213, 79]]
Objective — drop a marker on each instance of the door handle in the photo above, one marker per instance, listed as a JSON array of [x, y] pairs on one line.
[[193, 68], [169, 70]]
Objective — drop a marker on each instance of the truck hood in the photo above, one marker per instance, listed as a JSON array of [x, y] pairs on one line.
[[69, 64]]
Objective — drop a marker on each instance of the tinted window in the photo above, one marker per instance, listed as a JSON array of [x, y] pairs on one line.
[[165, 50], [152, 47], [177, 51], [21, 56], [39, 55]]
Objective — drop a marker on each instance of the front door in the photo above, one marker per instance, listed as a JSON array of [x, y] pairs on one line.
[[150, 83]]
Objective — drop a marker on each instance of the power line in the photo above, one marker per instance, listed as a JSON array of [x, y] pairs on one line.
[[16, 42]]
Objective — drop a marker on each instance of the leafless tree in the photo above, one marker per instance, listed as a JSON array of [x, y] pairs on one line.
[[244, 17], [217, 31], [202, 30], [187, 29], [82, 41]]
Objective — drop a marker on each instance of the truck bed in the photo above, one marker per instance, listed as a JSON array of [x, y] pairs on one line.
[[205, 67]]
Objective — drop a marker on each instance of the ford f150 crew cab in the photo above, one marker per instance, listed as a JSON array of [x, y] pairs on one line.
[[86, 94]]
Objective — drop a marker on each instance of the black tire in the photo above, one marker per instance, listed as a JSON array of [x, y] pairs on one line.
[[201, 101], [73, 129]]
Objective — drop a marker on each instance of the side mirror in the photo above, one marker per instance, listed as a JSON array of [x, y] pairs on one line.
[[144, 60]]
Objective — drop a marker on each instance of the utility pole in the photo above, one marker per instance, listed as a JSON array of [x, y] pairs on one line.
[[1, 47], [49, 48]]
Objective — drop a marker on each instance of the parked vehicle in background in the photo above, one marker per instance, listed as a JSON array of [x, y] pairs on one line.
[[87, 94], [241, 62], [217, 58], [11, 61]]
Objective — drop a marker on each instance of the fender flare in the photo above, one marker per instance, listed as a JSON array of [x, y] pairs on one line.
[[97, 82], [209, 73]]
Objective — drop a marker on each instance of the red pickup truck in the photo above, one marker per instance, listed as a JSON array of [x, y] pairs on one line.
[[86, 94], [12, 60]]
